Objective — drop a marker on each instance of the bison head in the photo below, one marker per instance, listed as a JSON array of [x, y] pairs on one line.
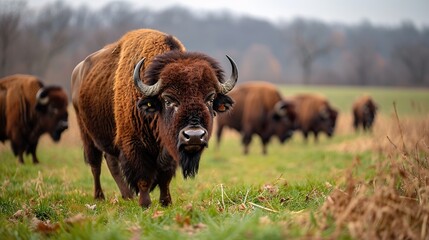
[[327, 120], [184, 92], [284, 116], [51, 105]]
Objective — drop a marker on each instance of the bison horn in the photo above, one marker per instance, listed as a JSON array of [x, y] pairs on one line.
[[147, 90], [41, 97], [280, 108], [230, 83]]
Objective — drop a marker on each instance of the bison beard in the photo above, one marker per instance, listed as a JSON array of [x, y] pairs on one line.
[[190, 163]]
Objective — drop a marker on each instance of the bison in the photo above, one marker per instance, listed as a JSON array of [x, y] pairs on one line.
[[29, 109], [364, 111], [258, 109], [314, 114], [147, 120]]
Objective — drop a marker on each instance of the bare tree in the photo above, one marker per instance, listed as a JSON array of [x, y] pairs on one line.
[[363, 61], [312, 41], [415, 59], [45, 37], [259, 63], [10, 15]]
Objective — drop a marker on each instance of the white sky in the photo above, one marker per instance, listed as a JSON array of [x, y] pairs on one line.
[[379, 12]]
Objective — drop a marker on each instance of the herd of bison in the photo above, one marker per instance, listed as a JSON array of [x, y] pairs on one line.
[[148, 106]]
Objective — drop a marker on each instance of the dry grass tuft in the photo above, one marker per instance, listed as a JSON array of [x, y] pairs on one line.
[[394, 204]]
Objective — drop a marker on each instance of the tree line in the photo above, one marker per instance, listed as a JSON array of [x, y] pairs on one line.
[[49, 41]]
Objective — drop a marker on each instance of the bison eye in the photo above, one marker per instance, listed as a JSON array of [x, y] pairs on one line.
[[53, 110], [210, 99], [170, 101]]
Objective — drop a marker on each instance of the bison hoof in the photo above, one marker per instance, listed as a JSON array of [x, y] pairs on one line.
[[165, 202], [145, 201], [99, 195]]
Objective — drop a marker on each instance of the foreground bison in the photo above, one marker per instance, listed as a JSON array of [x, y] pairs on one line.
[[314, 114], [150, 117], [364, 111], [28, 110], [258, 109]]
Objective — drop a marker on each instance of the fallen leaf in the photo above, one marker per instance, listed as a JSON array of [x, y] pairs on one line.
[[19, 214], [90, 207], [183, 221], [188, 207], [78, 218], [44, 227], [158, 214], [114, 200]]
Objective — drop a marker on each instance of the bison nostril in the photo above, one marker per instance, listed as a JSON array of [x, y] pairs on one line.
[[194, 133], [64, 125], [192, 136]]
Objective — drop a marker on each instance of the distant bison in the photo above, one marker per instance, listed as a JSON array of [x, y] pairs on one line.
[[28, 110], [314, 114], [259, 109], [364, 111], [147, 122]]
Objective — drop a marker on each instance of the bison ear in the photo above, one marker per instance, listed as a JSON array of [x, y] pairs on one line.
[[149, 106], [222, 103]]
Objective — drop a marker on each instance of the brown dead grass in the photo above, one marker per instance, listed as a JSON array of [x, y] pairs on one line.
[[386, 136], [394, 204]]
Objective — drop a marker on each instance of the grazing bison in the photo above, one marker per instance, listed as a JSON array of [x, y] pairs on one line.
[[364, 111], [314, 114], [148, 120], [28, 110], [258, 109]]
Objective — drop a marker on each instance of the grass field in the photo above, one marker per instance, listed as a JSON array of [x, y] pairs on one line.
[[277, 196]]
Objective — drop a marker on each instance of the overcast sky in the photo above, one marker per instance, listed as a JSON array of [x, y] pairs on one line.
[[380, 12]]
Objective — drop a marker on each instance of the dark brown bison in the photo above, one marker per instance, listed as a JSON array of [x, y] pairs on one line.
[[148, 120], [364, 111], [28, 110], [258, 109], [314, 114]]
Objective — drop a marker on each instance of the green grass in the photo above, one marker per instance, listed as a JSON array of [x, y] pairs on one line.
[[233, 197]]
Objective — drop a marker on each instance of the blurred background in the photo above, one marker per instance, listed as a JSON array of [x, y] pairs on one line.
[[332, 42]]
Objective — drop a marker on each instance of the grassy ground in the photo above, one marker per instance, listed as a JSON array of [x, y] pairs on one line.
[[233, 197]]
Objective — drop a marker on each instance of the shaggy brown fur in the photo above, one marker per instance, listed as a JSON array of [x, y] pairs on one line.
[[314, 114], [256, 111], [143, 135], [364, 111], [24, 119]]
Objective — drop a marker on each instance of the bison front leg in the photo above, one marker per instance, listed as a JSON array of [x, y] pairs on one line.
[[18, 150], [316, 136], [305, 135], [32, 150], [264, 140], [246, 140], [144, 187], [164, 179], [139, 173]]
